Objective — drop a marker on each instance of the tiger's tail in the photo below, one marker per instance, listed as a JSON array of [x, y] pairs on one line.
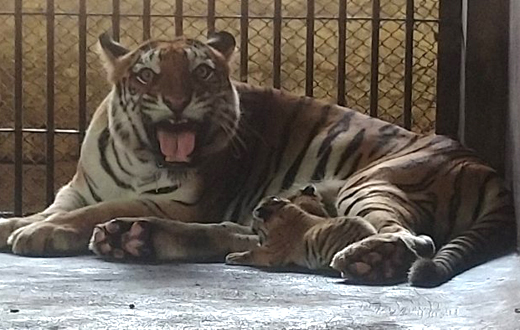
[[492, 234]]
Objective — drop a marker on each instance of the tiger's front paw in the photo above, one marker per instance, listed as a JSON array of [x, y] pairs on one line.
[[47, 239], [123, 239], [239, 258], [382, 258], [8, 226]]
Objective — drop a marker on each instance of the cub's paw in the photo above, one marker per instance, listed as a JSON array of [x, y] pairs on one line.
[[47, 239], [382, 258], [239, 258], [123, 239]]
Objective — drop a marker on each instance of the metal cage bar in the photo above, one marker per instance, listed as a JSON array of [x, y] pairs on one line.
[[408, 65], [277, 44], [146, 19], [244, 39], [18, 108], [211, 17], [309, 50], [49, 180], [179, 28], [342, 51], [82, 71], [374, 70], [116, 19]]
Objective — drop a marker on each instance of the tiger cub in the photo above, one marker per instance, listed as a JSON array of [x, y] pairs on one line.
[[299, 231]]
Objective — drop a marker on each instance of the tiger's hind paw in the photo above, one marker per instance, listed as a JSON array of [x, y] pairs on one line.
[[380, 259], [123, 239]]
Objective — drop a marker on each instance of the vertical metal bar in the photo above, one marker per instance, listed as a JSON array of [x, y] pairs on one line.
[[342, 41], [49, 183], [18, 108], [309, 51], [513, 127], [116, 19], [211, 17], [178, 17], [485, 93], [374, 70], [146, 19], [408, 64], [244, 39], [277, 44], [449, 68], [82, 81]]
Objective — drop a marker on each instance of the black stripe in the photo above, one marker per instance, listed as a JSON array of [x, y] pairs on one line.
[[121, 93], [352, 147], [118, 161], [184, 203], [288, 179], [158, 207], [352, 191], [429, 177], [89, 179], [128, 159], [455, 199], [145, 204], [142, 143], [287, 131], [319, 171], [335, 240], [436, 146], [325, 149], [339, 127], [102, 146], [82, 200], [91, 186], [162, 190], [483, 189], [387, 135]]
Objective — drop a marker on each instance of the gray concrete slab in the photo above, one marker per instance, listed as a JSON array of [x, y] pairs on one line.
[[88, 293]]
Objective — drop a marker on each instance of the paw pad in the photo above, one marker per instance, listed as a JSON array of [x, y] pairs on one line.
[[120, 239]]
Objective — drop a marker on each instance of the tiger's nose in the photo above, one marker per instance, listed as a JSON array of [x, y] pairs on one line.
[[177, 104]]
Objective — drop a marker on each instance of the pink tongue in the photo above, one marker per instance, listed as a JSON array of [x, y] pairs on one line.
[[176, 147]]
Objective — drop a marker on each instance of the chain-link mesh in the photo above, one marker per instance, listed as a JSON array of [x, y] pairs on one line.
[[164, 23]]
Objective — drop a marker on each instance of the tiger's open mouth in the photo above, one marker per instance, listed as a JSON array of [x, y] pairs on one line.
[[176, 140]]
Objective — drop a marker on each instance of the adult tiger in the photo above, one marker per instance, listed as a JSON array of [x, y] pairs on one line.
[[176, 139]]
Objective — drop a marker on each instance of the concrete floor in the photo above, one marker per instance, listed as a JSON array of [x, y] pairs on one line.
[[88, 293]]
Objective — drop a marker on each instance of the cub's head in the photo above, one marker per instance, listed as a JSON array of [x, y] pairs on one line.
[[276, 212], [310, 200], [172, 102], [307, 199], [267, 215]]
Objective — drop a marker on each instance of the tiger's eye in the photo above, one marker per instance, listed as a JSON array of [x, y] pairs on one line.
[[203, 72], [145, 76]]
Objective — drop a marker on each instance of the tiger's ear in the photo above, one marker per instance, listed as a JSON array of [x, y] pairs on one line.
[[111, 49], [309, 190], [111, 53], [224, 42]]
